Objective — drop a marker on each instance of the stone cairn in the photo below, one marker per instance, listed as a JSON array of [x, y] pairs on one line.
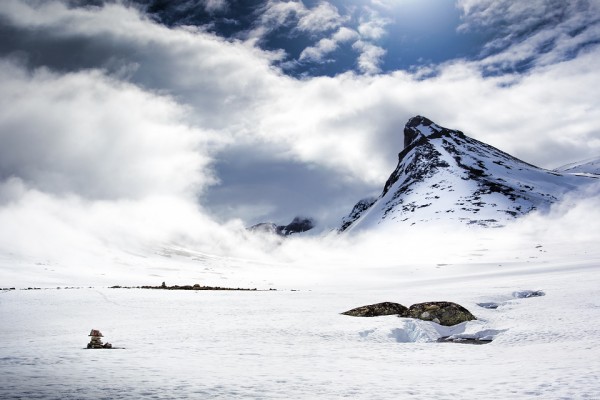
[[96, 342]]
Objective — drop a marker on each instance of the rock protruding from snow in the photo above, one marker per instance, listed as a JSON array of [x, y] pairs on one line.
[[490, 305], [379, 309], [298, 225], [443, 175], [417, 128], [441, 312], [358, 209], [525, 294]]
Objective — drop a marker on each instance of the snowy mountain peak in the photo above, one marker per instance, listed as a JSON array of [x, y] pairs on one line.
[[443, 174], [417, 128]]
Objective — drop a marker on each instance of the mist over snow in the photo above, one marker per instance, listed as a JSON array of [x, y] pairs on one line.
[[121, 136], [452, 242], [68, 240]]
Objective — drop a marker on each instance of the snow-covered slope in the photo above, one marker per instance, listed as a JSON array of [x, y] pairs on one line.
[[444, 175], [590, 167]]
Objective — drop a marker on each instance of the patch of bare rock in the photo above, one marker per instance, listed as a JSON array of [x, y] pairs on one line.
[[375, 310], [441, 312]]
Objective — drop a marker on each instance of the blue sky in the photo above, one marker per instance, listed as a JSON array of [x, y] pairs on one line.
[[263, 110], [410, 33], [388, 35]]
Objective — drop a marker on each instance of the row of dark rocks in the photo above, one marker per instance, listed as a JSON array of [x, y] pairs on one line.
[[442, 312], [183, 287]]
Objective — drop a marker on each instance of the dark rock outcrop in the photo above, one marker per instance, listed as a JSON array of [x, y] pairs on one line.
[[358, 209], [298, 225], [196, 286], [376, 310], [489, 305], [463, 340], [442, 312]]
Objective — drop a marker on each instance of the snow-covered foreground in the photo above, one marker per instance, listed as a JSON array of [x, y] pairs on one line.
[[295, 344]]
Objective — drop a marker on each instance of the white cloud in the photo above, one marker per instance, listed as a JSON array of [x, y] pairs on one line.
[[295, 15], [504, 13], [324, 17], [370, 29], [215, 5], [195, 67], [344, 35], [327, 45], [277, 13], [88, 134], [370, 56], [372, 26], [540, 32], [319, 50]]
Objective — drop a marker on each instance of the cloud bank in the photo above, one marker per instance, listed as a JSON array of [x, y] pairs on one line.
[[87, 134], [534, 33]]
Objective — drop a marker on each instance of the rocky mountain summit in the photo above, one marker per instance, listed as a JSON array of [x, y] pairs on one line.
[[445, 175]]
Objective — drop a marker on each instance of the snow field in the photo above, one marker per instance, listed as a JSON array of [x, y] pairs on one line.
[[295, 344]]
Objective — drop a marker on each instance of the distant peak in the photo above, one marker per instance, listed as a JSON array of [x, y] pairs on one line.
[[418, 127]]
